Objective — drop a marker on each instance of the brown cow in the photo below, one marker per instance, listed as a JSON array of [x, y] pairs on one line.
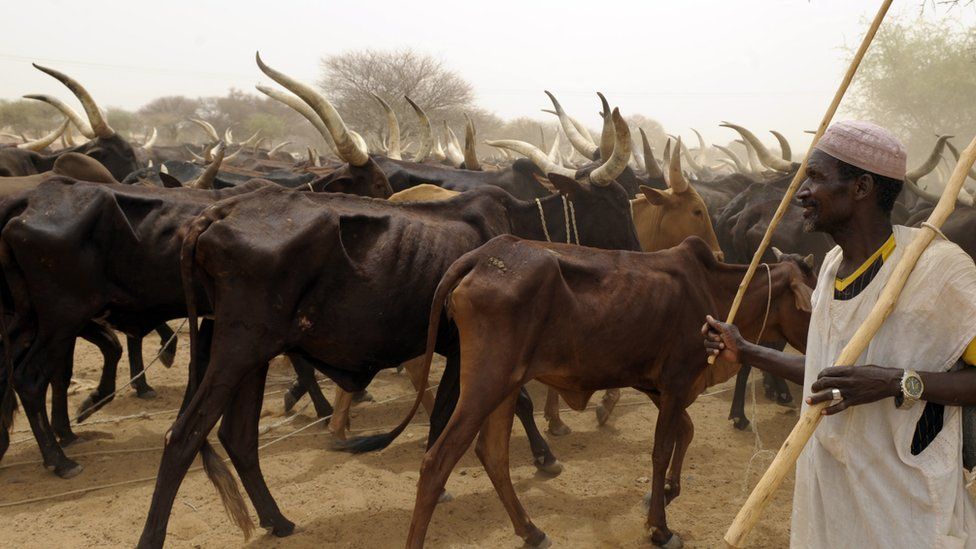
[[599, 320]]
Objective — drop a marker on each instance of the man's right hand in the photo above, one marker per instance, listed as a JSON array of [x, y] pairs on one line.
[[722, 340]]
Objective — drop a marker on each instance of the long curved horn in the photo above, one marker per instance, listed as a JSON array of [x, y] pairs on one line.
[[701, 145], [666, 157], [348, 150], [303, 109], [278, 147], [930, 162], [359, 141], [955, 154], [676, 179], [470, 154], [530, 151], [393, 126], [580, 143], [964, 198], [41, 143], [755, 166], [454, 154], [617, 162], [542, 138], [650, 163], [638, 157], [426, 133], [607, 132], [206, 127], [68, 137], [767, 158], [556, 142], [98, 123], [206, 179], [739, 165], [195, 156], [229, 136], [438, 152], [83, 126], [784, 146], [148, 145], [695, 166], [576, 124]]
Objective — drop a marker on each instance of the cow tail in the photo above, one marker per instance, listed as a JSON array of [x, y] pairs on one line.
[[217, 471], [8, 401], [449, 281]]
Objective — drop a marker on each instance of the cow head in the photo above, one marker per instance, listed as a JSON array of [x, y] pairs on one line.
[[665, 218], [105, 145], [361, 172]]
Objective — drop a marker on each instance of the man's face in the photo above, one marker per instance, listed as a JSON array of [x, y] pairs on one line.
[[826, 199]]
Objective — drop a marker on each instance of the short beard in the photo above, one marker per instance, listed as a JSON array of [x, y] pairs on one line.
[[810, 225]]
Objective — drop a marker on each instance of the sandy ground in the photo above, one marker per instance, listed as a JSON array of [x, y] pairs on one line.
[[338, 500]]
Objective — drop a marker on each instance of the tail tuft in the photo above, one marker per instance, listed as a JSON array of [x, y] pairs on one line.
[[226, 486]]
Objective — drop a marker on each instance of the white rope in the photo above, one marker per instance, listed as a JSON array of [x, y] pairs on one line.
[[310, 187], [572, 215], [542, 217], [759, 449]]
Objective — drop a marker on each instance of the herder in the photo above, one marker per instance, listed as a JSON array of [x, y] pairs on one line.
[[886, 469]]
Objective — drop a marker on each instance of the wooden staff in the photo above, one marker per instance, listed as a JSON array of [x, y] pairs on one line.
[[790, 451], [802, 171]]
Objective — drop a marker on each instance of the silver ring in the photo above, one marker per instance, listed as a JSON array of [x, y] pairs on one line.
[[835, 394]]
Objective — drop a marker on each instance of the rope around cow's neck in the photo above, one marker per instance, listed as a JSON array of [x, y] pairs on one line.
[[569, 213], [760, 449]]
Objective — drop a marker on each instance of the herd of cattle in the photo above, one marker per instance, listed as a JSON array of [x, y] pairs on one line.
[[578, 272]]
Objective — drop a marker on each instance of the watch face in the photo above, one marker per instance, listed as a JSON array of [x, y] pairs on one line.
[[913, 386]]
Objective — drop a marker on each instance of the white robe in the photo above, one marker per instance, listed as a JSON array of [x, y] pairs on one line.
[[857, 483]]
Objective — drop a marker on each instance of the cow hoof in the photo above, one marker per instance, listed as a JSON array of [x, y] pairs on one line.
[[538, 540], [445, 497], [290, 402], [550, 467], [740, 423], [88, 407], [602, 415], [69, 470], [785, 399], [283, 530], [167, 358], [146, 394], [68, 439], [362, 396], [674, 542], [558, 429]]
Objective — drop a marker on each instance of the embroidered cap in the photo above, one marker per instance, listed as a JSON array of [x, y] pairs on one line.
[[867, 146]]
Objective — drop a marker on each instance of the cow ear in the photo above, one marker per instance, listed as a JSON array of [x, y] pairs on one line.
[[169, 181], [801, 294], [566, 185], [654, 196], [809, 261]]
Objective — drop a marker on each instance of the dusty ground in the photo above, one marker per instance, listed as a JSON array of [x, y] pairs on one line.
[[366, 501]]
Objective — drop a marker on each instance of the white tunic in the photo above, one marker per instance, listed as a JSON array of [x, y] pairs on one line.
[[857, 482]]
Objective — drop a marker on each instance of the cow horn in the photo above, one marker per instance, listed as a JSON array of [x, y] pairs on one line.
[[676, 179], [454, 154], [576, 124], [99, 125], [554, 149], [666, 157], [617, 162], [303, 109], [68, 137], [776, 253], [426, 132], [206, 179], [359, 141], [650, 163], [83, 126], [152, 139], [739, 165], [348, 149], [701, 144], [695, 166], [207, 127], [808, 260], [607, 132], [41, 143], [784, 146], [586, 147], [755, 166], [195, 156], [393, 126], [767, 158], [239, 150], [638, 157], [278, 147], [955, 154], [229, 136], [542, 138], [930, 162], [531, 152], [470, 154], [438, 153]]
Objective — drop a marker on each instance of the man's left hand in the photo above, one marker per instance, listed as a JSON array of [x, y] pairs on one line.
[[857, 385]]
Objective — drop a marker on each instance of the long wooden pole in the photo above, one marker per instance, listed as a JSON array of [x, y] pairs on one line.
[[802, 171], [790, 451]]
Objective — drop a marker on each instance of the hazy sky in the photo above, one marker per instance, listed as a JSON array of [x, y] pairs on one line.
[[764, 64]]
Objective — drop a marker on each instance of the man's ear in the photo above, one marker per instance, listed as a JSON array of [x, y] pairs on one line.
[[863, 186], [654, 196], [566, 185]]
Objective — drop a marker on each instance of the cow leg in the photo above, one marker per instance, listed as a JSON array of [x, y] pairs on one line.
[[168, 343], [556, 425], [492, 450], [239, 435], [201, 362], [340, 416], [446, 398], [541, 453], [307, 383], [776, 389], [136, 368], [663, 449], [686, 430], [737, 412], [414, 368], [106, 341], [60, 422], [606, 406]]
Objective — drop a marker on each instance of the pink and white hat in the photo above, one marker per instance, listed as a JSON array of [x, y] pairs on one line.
[[867, 146]]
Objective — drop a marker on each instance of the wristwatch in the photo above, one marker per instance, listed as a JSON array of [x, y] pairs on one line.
[[911, 389]]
